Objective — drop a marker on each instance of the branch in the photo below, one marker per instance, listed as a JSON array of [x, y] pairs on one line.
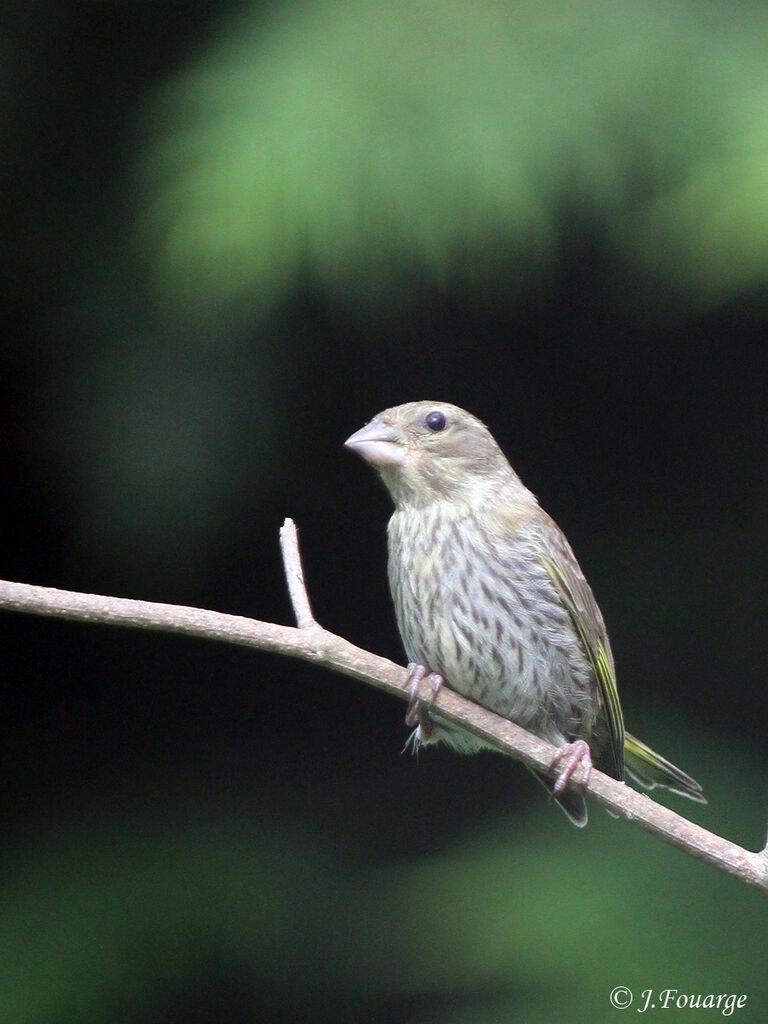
[[311, 642]]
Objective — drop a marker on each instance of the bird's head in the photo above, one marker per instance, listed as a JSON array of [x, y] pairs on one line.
[[430, 451]]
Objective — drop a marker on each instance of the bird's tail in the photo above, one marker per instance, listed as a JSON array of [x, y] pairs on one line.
[[650, 769], [570, 801]]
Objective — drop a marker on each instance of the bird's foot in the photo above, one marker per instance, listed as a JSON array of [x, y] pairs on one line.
[[418, 708], [572, 756]]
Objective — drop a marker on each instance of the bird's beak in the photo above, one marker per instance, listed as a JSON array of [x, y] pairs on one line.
[[378, 442]]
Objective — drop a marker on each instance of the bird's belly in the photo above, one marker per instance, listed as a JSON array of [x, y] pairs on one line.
[[503, 651]]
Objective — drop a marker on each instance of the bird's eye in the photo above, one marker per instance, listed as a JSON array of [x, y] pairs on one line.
[[435, 421]]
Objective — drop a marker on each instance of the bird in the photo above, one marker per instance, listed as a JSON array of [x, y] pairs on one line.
[[491, 602]]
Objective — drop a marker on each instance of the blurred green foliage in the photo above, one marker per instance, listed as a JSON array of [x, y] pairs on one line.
[[515, 918], [161, 216], [367, 137]]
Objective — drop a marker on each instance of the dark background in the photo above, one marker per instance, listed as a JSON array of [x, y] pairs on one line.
[[232, 235]]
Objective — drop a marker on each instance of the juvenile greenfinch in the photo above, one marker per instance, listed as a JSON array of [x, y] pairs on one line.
[[491, 601]]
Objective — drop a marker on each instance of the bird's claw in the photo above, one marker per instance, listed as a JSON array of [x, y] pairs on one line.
[[418, 708], [574, 755]]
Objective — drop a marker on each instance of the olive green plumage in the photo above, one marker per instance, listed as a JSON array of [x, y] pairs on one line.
[[488, 594]]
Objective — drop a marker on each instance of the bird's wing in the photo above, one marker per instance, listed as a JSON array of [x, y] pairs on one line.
[[564, 571]]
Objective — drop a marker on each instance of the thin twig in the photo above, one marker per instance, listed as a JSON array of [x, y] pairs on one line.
[[311, 642], [294, 575]]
